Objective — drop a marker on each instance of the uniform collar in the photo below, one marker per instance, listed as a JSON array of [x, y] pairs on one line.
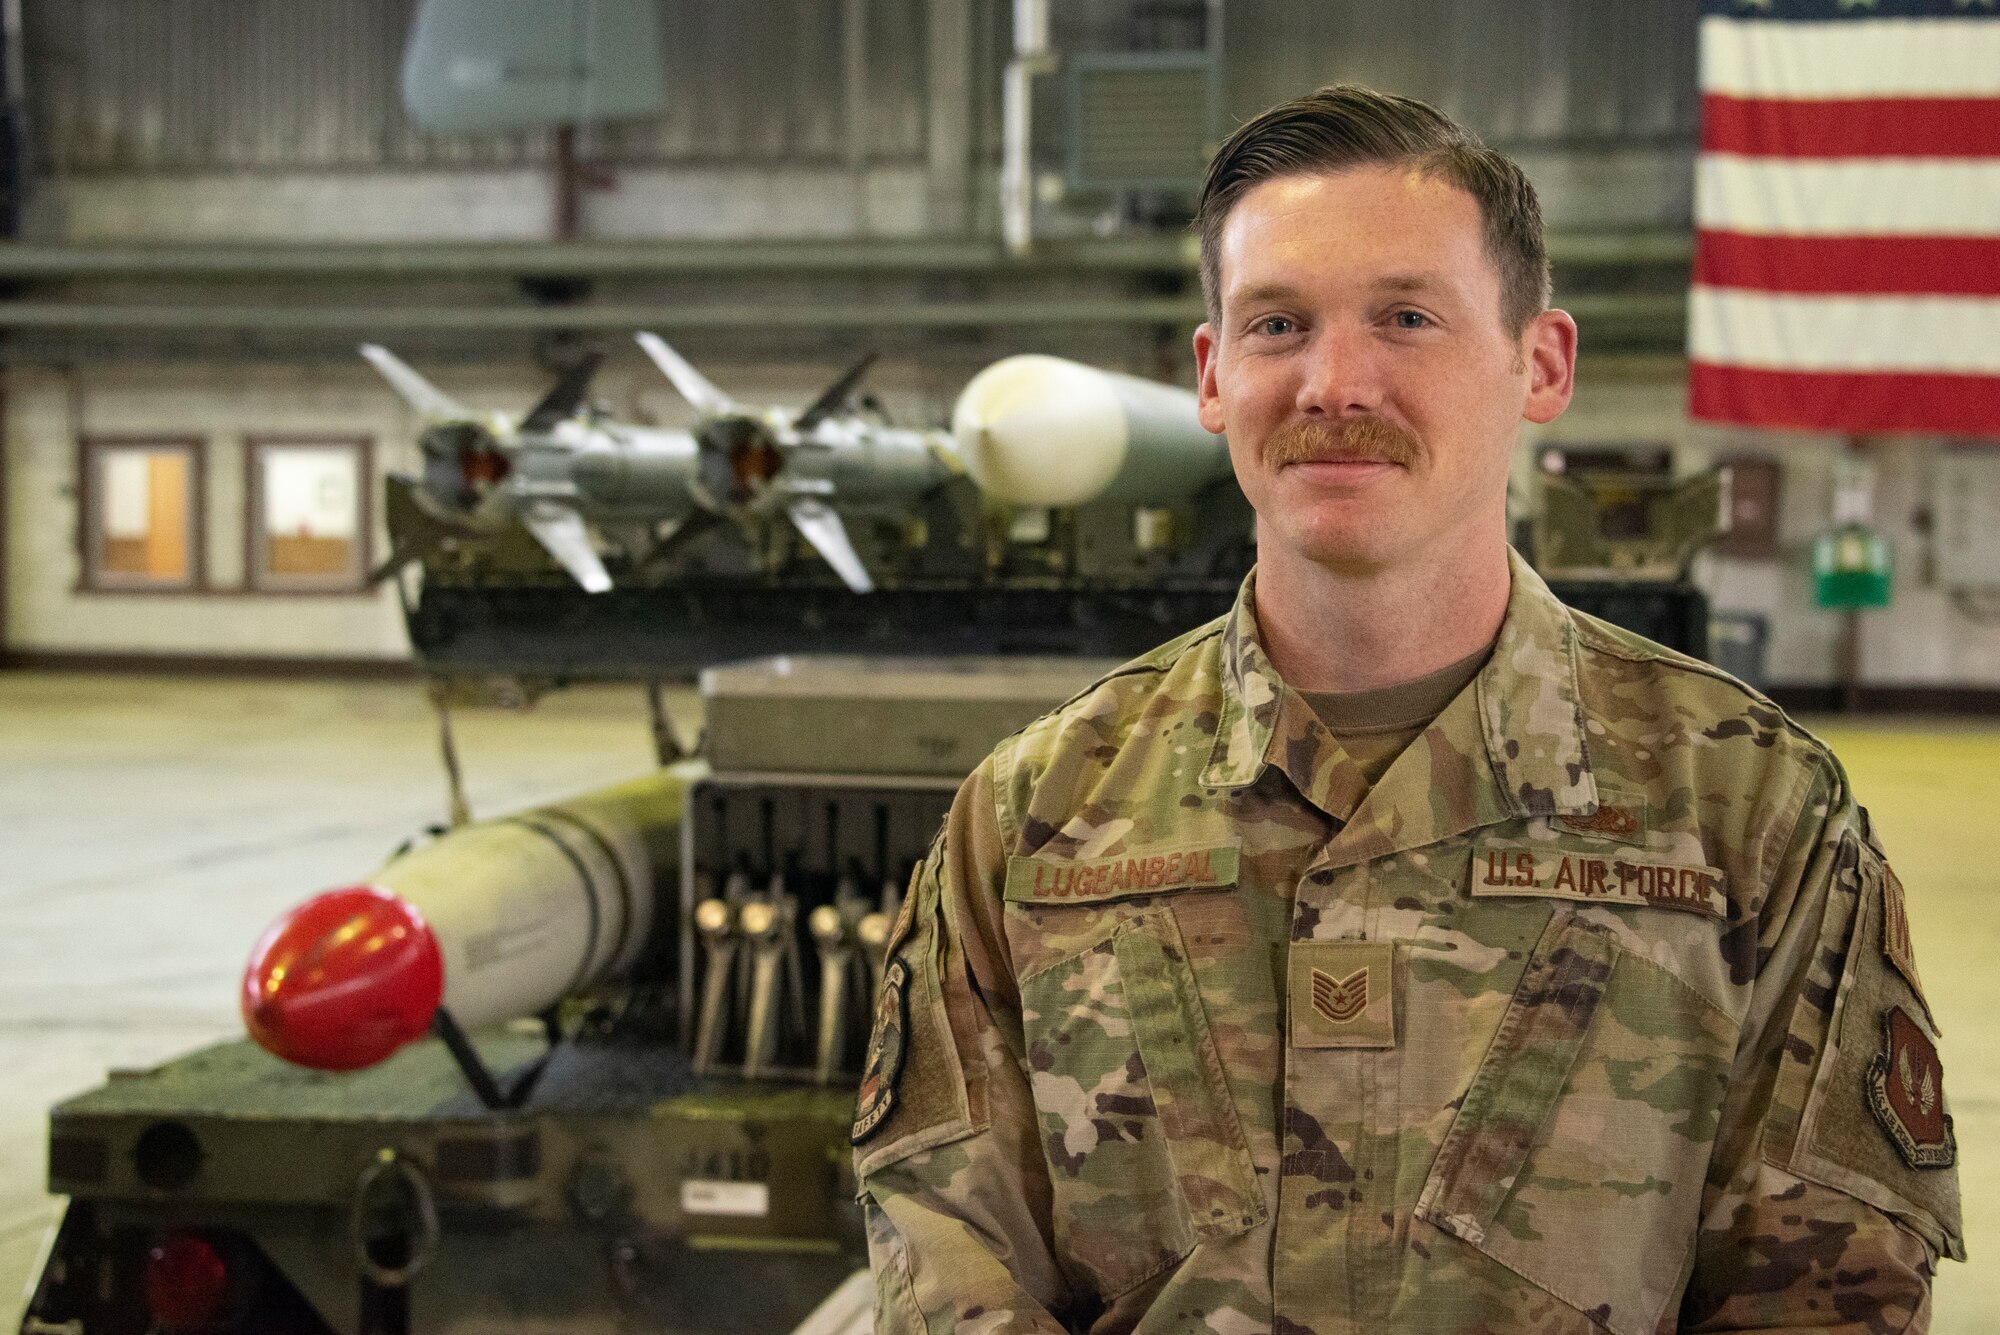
[[1512, 744]]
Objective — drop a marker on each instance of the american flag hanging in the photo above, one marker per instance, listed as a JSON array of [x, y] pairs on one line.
[[1847, 216]]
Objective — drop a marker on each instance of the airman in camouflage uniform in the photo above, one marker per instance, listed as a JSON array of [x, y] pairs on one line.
[[1595, 1011]]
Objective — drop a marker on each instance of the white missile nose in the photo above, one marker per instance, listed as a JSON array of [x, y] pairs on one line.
[[1036, 430]]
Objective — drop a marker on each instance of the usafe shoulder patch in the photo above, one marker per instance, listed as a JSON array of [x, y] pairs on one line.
[[1906, 1093], [1141, 872], [885, 1053], [1510, 867]]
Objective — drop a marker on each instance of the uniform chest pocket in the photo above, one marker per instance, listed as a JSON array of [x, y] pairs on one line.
[[1145, 1151], [1587, 1130]]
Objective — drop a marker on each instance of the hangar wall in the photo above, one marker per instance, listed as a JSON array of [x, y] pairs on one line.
[[768, 106], [152, 125], [1923, 639], [891, 129], [51, 616], [50, 612]]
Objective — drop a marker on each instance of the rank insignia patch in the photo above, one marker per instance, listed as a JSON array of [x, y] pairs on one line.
[[1340, 1000], [885, 1053], [1342, 994], [1906, 1093]]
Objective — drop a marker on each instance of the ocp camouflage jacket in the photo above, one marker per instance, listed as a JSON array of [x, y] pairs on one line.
[[1597, 1012]]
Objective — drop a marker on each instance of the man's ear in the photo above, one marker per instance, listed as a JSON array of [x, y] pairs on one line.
[[1207, 350], [1549, 346]]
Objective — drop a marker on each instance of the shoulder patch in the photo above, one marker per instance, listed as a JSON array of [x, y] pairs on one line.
[[1906, 1093], [1873, 1116], [1896, 940], [886, 1045]]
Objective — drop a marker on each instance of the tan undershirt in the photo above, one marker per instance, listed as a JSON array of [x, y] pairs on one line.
[[1373, 727]]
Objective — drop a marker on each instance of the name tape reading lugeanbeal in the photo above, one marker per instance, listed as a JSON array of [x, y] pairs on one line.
[[1604, 878], [1045, 881]]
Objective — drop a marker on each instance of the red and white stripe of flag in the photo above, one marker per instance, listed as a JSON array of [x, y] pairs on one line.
[[1847, 213]]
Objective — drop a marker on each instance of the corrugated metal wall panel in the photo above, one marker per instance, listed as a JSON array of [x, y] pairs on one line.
[[187, 85], [766, 83], [753, 83], [1528, 71], [230, 85], [899, 77], [182, 86]]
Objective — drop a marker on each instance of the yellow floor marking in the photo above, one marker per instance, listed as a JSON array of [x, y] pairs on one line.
[[1934, 792]]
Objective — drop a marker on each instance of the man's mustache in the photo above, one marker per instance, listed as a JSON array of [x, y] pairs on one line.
[[1345, 439]]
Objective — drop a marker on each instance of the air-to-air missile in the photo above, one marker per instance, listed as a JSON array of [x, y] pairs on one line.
[[489, 921], [663, 1145], [1031, 431], [1043, 431], [564, 467], [502, 919]]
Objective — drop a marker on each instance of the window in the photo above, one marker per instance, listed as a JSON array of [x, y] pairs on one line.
[[141, 514], [308, 520]]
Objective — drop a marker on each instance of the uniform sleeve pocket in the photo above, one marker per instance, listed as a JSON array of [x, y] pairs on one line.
[[896, 1310]]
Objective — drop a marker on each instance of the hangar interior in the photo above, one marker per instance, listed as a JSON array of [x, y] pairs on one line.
[[224, 200], [206, 205]]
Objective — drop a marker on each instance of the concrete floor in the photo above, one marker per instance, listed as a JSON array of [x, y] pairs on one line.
[[150, 828]]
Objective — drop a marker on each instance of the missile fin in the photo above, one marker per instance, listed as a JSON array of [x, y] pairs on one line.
[[418, 392], [835, 396], [560, 531], [564, 397], [693, 385], [823, 529]]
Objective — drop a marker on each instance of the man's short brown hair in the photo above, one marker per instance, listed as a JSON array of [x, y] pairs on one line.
[[1344, 125]]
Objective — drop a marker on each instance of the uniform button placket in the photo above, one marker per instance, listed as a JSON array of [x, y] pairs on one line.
[[1319, 1179]]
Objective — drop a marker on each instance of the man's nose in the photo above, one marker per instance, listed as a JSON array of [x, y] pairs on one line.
[[1343, 375]]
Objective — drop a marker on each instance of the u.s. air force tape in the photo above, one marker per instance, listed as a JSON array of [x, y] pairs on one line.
[[1610, 876]]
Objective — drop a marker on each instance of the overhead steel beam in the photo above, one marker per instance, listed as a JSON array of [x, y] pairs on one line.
[[695, 259], [1590, 310], [460, 319]]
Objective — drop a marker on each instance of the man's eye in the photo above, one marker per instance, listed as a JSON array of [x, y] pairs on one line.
[[1275, 325], [1411, 319]]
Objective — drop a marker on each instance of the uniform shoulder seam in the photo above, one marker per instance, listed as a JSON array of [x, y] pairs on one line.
[[1156, 660], [1602, 637]]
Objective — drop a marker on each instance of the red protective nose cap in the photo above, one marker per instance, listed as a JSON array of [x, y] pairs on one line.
[[187, 1281], [343, 980]]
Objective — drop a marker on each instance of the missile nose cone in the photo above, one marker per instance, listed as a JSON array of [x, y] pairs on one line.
[[1036, 430], [343, 980]]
